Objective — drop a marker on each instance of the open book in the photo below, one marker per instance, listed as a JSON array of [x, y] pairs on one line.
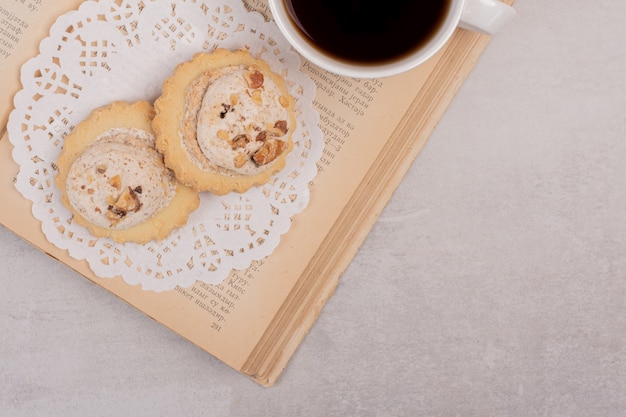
[[255, 319]]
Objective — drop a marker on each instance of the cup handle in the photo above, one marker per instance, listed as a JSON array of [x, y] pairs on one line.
[[486, 16]]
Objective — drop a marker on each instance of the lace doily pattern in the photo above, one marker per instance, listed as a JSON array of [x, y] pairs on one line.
[[111, 50]]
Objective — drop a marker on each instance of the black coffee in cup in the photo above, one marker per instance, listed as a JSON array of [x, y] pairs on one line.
[[368, 32]]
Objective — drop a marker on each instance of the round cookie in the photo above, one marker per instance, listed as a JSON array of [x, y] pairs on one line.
[[224, 122], [115, 182]]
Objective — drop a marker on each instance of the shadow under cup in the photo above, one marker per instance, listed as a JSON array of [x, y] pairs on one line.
[[367, 38]]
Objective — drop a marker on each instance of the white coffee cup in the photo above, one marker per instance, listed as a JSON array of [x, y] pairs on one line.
[[483, 16]]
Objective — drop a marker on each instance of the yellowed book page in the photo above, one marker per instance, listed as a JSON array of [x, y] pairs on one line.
[[23, 24]]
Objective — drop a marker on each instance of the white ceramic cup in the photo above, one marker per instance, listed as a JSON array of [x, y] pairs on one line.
[[483, 16]]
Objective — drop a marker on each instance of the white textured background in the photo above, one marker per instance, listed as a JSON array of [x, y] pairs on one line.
[[494, 283]]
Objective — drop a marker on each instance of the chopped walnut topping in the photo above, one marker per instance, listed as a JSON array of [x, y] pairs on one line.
[[256, 97], [223, 134], [240, 141], [269, 151], [277, 129], [261, 136], [254, 78], [282, 126], [113, 216], [116, 182], [128, 201], [240, 160], [101, 169], [225, 109]]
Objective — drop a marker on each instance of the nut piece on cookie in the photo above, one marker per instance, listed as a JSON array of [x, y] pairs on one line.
[[270, 150], [224, 122]]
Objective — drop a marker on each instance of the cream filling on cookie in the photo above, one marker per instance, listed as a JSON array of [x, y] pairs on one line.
[[120, 180], [242, 119]]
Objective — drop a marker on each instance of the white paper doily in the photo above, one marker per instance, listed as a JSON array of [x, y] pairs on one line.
[[111, 50]]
